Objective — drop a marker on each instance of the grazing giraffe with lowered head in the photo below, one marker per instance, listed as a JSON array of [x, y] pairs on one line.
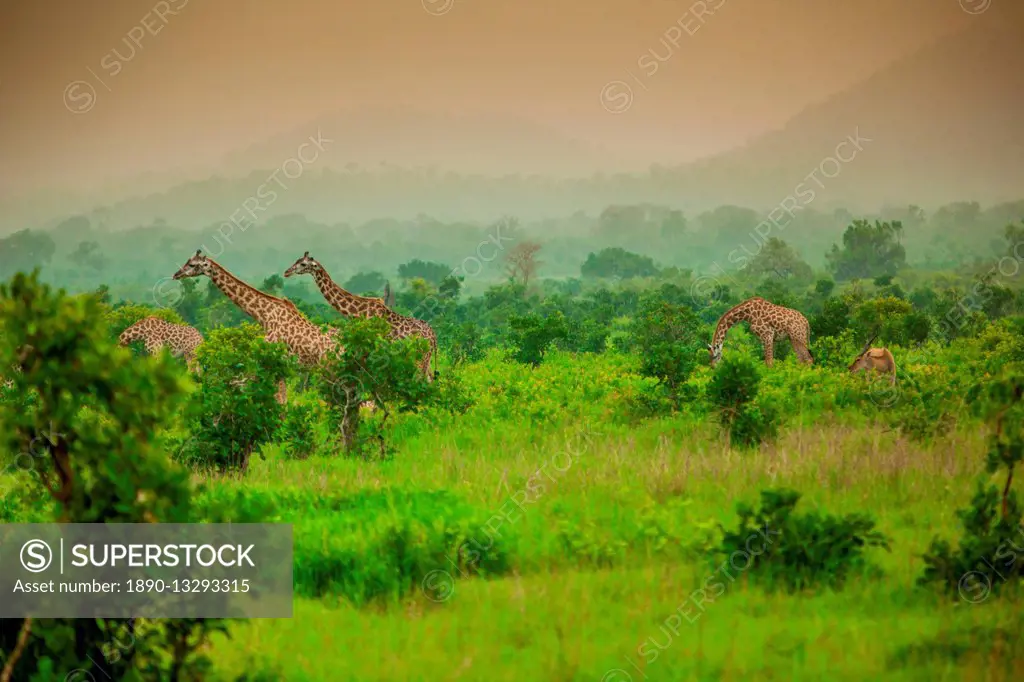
[[350, 305], [181, 339], [769, 322], [279, 317]]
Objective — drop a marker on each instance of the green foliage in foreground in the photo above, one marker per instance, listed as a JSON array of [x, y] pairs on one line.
[[97, 409], [799, 551], [988, 558]]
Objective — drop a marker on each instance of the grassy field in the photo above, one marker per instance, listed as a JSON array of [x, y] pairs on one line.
[[605, 562], [592, 534]]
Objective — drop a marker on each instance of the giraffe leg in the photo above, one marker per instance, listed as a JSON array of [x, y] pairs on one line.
[[282, 393], [801, 352], [769, 350], [426, 368]]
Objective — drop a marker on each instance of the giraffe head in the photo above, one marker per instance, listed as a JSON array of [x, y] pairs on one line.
[[306, 265], [716, 353], [195, 266]]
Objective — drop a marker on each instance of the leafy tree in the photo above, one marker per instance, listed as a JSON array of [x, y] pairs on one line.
[[273, 285], [808, 550], [366, 283], [463, 343], [531, 335], [372, 368], [957, 218], [884, 314], [191, 303], [833, 319], [618, 263], [673, 227], [772, 289], [88, 254], [730, 226], [24, 250], [733, 391], [450, 287], [426, 270], [668, 338], [618, 223], [100, 414], [236, 410], [1014, 236], [868, 251], [777, 259]]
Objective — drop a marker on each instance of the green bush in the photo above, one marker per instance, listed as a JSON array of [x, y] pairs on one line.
[[732, 392], [235, 410], [531, 335], [96, 419], [464, 343], [375, 368], [807, 551], [667, 339], [297, 431], [385, 544], [986, 559]]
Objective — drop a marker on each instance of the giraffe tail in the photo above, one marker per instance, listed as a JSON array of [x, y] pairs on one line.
[[433, 353]]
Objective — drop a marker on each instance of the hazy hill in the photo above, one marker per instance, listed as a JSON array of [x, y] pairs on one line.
[[411, 138], [945, 124]]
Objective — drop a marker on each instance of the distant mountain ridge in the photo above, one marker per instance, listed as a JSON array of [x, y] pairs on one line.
[[410, 138], [943, 124]]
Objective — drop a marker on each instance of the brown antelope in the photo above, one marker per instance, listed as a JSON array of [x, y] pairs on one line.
[[877, 359]]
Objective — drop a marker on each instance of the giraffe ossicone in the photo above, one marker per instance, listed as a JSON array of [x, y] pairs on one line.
[[350, 305], [280, 319]]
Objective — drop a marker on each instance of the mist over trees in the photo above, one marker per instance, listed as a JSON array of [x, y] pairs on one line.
[[619, 243]]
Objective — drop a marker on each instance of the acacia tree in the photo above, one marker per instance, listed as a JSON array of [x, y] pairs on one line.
[[371, 367], [521, 263], [868, 251], [776, 258]]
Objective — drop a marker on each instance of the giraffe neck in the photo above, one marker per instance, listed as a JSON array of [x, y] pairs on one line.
[[132, 333], [343, 301], [731, 318], [251, 300]]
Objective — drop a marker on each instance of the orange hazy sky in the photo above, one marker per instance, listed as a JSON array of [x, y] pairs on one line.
[[220, 75]]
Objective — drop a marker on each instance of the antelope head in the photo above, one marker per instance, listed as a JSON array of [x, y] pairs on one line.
[[858, 363]]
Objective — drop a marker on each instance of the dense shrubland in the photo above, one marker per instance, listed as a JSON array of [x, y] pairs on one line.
[[537, 366]]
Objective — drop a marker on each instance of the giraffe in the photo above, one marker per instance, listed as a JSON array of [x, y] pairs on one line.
[[181, 339], [769, 322], [279, 317], [350, 305]]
